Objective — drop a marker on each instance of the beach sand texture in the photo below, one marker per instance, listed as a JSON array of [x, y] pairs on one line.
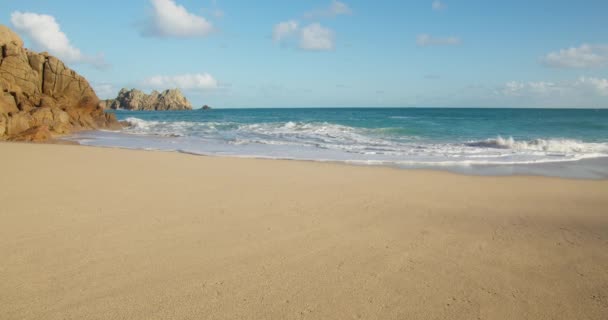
[[99, 233]]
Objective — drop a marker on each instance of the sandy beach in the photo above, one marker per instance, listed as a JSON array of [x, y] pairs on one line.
[[100, 233]]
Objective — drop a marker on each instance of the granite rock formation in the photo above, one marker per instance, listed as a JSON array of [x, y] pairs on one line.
[[40, 96], [134, 99]]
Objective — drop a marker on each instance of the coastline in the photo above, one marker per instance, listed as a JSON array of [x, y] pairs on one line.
[[118, 233], [470, 141], [583, 169]]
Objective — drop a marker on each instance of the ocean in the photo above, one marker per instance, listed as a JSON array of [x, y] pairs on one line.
[[555, 142]]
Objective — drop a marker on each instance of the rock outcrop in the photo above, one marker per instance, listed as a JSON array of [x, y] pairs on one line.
[[40, 96], [137, 100]]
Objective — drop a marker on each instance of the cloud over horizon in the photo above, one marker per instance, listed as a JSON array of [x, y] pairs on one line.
[[195, 81], [104, 90], [45, 34], [169, 19], [584, 56], [583, 86]]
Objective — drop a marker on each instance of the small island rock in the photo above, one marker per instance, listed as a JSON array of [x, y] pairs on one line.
[[134, 99]]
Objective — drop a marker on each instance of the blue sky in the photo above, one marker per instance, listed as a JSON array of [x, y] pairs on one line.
[[331, 53]]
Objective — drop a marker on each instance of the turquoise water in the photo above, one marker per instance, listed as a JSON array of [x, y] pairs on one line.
[[408, 137]]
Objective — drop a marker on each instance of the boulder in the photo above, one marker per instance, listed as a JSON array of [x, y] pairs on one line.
[[56, 120], [7, 35], [34, 134], [18, 122], [38, 90], [3, 124], [7, 103]]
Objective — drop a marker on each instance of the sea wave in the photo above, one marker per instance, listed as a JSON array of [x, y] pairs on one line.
[[312, 134], [174, 128], [563, 146], [331, 141]]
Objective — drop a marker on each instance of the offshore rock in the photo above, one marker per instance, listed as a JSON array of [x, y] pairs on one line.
[[134, 99]]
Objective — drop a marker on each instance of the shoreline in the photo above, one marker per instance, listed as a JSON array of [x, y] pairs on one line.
[[61, 142], [574, 168], [92, 233]]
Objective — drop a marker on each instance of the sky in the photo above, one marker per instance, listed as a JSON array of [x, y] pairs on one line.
[[330, 53]]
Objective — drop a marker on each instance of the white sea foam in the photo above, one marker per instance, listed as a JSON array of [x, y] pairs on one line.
[[546, 145], [333, 142], [136, 123]]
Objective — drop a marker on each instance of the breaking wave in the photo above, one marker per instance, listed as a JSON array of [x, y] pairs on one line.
[[330, 141], [564, 146]]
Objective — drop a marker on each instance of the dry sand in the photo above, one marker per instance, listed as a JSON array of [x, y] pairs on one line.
[[94, 233]]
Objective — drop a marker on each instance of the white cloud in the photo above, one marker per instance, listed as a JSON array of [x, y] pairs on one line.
[[518, 88], [438, 5], [581, 92], [284, 30], [104, 90], [313, 37], [585, 56], [198, 81], [424, 40], [583, 86], [316, 37], [336, 8], [169, 19], [599, 85], [46, 35]]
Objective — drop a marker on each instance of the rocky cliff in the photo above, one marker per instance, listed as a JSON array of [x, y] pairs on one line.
[[40, 96], [137, 100]]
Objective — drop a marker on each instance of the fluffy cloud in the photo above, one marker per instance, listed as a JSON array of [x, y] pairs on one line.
[[284, 30], [585, 56], [316, 37], [198, 81], [169, 19], [438, 5], [336, 8], [425, 40], [313, 37], [45, 34]]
